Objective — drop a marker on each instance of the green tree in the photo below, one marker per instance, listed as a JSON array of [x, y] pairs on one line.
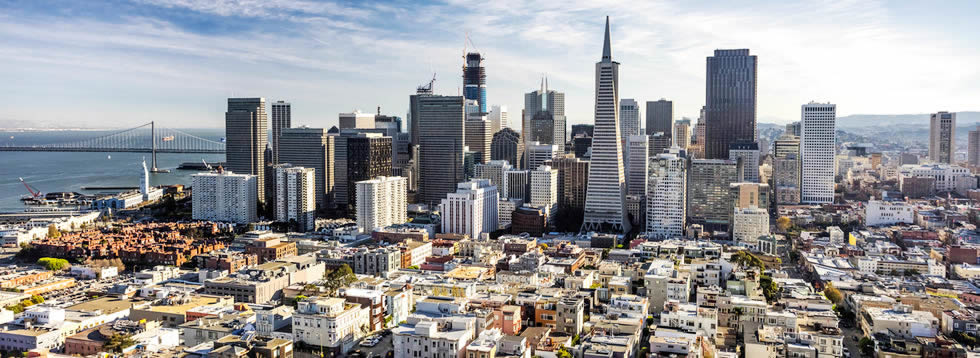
[[833, 294], [53, 231], [867, 347], [784, 223], [296, 300], [562, 352], [769, 288], [53, 264], [118, 342], [343, 276]]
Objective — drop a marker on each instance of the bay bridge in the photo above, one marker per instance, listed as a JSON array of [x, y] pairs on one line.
[[145, 138]]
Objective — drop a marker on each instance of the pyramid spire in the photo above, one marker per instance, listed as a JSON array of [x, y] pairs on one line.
[[606, 48]]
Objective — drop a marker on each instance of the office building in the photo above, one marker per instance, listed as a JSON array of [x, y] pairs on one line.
[[381, 202], [479, 133], [573, 179], [637, 155], [793, 129], [507, 145], [499, 118], [730, 101], [786, 179], [973, 148], [942, 137], [544, 191], [295, 199], [359, 156], [518, 184], [786, 144], [666, 196], [748, 153], [660, 117], [475, 80], [311, 148], [538, 153], [494, 171], [817, 149], [225, 197], [544, 129], [659, 142], [682, 133], [356, 120], [505, 210], [281, 118], [708, 199], [582, 146], [441, 127], [246, 136], [393, 124], [943, 178], [552, 104], [748, 225], [605, 206], [471, 210], [629, 118]]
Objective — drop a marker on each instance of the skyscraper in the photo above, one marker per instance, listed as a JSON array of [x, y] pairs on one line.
[[730, 101], [817, 149], [479, 134], [682, 133], [296, 196], [499, 118], [544, 191], [475, 80], [363, 156], [381, 202], [786, 168], [552, 103], [629, 118], [605, 208], [507, 145], [973, 148], [356, 120], [573, 179], [311, 148], [636, 162], [471, 210], [666, 196], [281, 118], [246, 133], [494, 171], [518, 184], [538, 153], [441, 139], [660, 117], [708, 200], [748, 152], [224, 196], [942, 137]]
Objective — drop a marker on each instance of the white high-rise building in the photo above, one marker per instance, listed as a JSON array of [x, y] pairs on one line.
[[544, 190], [505, 210], [942, 137], [605, 198], [629, 118], [518, 184], [381, 202], [296, 196], [817, 149], [471, 210], [748, 152], [748, 224], [224, 196], [494, 170], [538, 154], [498, 118], [637, 163], [666, 196]]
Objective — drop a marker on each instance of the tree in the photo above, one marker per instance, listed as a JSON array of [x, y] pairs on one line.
[[833, 294], [297, 300], [53, 231], [784, 223], [343, 276], [118, 342], [562, 352], [53, 264], [769, 288], [867, 347]]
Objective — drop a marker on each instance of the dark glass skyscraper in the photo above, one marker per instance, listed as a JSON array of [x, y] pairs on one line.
[[475, 80], [281, 119], [246, 130], [730, 101]]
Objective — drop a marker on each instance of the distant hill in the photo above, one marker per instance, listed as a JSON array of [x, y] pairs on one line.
[[886, 120]]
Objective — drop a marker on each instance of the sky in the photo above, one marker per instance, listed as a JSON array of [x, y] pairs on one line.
[[122, 63]]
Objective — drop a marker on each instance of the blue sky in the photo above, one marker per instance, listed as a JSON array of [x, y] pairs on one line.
[[120, 63]]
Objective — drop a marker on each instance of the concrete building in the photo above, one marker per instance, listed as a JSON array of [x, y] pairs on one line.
[[817, 149], [494, 171], [552, 104], [507, 145], [265, 282], [428, 337], [311, 148], [900, 319], [637, 164], [629, 118], [730, 101], [573, 179], [225, 197], [570, 315], [942, 137], [381, 202], [666, 196], [356, 120], [295, 197], [499, 118], [478, 136], [660, 117], [748, 225], [946, 177], [359, 156], [330, 322], [441, 126], [880, 212], [973, 148], [471, 210], [605, 204], [246, 137], [380, 261], [748, 153], [544, 191], [518, 184], [282, 117], [682, 133], [539, 153], [708, 199], [505, 210]]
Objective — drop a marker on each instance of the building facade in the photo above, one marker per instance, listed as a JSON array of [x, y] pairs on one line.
[[282, 117], [666, 196], [440, 158], [629, 118], [296, 196], [246, 136], [471, 210], [225, 196], [381, 202], [507, 145], [660, 117], [942, 137], [311, 148], [708, 200], [637, 164], [818, 145], [730, 101]]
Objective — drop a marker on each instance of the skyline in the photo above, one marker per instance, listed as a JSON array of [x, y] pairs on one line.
[[177, 61]]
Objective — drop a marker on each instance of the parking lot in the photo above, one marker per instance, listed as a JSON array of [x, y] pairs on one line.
[[382, 349]]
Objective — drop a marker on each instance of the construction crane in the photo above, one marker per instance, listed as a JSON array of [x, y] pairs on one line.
[[35, 194], [206, 165]]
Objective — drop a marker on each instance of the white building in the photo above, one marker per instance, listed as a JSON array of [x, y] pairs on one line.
[[381, 202], [749, 224], [296, 196], [494, 170], [666, 193], [505, 209], [498, 118], [637, 164], [224, 196], [900, 319], [817, 149], [629, 118], [946, 175], [424, 337], [538, 154], [356, 119], [330, 322], [880, 212], [544, 191], [471, 210], [748, 152], [690, 318]]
